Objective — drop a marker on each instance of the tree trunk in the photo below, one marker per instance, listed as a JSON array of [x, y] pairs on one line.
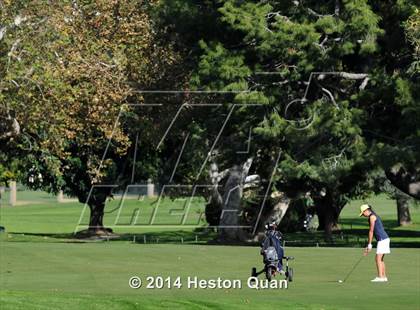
[[328, 211], [277, 213], [230, 222], [280, 210], [96, 217], [214, 206], [406, 181], [9, 126], [229, 219], [224, 207], [404, 217], [96, 205]]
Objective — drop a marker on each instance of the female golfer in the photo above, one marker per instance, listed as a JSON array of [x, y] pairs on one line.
[[376, 228]]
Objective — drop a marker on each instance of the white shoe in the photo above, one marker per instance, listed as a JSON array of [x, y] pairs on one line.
[[378, 279]]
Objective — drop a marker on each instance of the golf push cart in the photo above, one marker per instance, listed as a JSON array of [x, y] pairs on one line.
[[273, 255]]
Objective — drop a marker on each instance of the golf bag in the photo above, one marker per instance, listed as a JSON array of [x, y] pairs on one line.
[[273, 255], [272, 250]]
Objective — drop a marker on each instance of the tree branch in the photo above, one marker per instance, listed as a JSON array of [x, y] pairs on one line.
[[277, 14], [14, 127], [245, 168], [406, 181], [321, 45], [330, 95], [337, 8], [3, 31], [312, 12], [252, 181], [353, 76], [364, 83]]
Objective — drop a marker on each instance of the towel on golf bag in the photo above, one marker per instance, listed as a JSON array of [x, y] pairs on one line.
[[273, 239]]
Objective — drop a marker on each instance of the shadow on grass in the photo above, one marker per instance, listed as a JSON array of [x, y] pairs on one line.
[[196, 236], [341, 238], [388, 224], [392, 233]]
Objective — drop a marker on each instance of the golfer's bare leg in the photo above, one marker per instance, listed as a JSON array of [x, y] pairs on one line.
[[378, 260], [383, 266]]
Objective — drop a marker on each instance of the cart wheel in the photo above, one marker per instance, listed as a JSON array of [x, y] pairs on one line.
[[269, 273], [254, 272], [290, 275]]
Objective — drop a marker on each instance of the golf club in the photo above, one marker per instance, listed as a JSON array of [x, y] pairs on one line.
[[351, 271]]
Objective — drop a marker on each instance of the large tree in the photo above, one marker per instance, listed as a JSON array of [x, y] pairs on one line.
[[67, 68], [397, 112], [328, 94], [317, 69], [305, 62]]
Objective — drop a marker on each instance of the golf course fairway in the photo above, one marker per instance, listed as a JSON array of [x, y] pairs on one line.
[[36, 275]]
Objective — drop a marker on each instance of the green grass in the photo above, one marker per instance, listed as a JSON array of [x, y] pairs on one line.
[[43, 267], [50, 220], [95, 276], [25, 197], [130, 215], [61, 219], [353, 229], [385, 207]]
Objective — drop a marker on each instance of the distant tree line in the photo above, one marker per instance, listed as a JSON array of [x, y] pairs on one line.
[[323, 96]]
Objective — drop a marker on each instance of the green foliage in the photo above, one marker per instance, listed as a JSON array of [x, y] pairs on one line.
[[335, 150], [412, 28], [361, 24], [217, 61], [292, 44], [67, 70], [9, 171]]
